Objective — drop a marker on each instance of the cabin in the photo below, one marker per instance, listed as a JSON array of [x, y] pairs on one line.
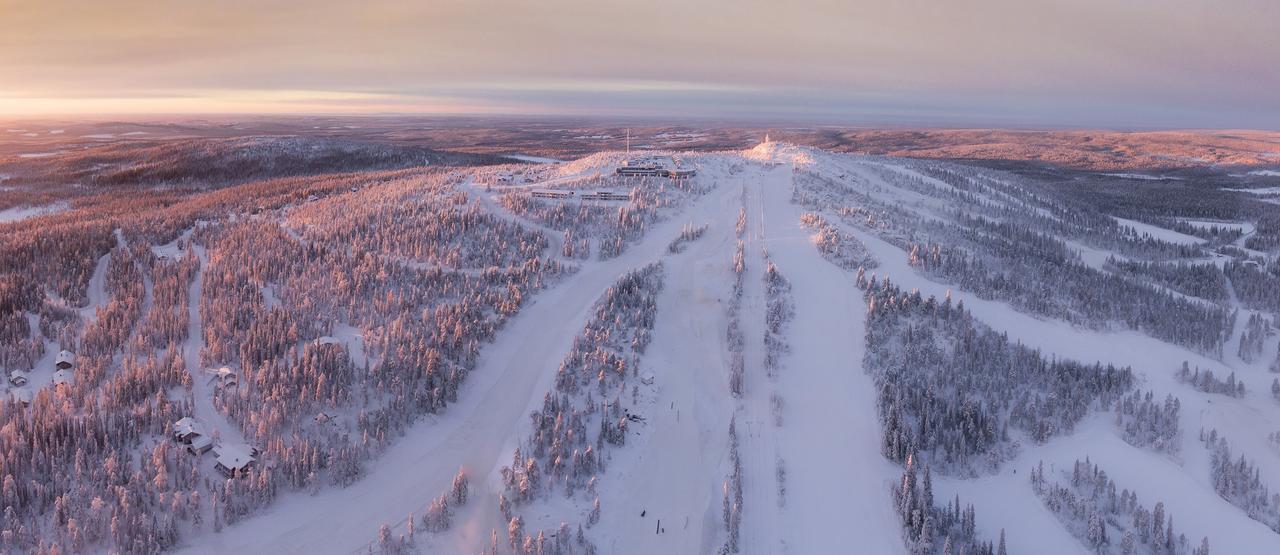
[[327, 340], [18, 378], [63, 377], [234, 460], [65, 360], [21, 395], [187, 429], [200, 445], [225, 377]]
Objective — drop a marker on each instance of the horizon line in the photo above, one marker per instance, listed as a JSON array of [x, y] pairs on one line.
[[806, 122]]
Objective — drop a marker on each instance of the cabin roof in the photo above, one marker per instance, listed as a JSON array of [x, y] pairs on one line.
[[187, 425], [65, 357], [63, 376], [234, 456]]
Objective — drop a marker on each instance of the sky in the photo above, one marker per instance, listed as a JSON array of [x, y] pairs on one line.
[[1080, 63]]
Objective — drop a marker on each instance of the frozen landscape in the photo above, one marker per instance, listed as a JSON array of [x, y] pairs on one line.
[[988, 277], [776, 349]]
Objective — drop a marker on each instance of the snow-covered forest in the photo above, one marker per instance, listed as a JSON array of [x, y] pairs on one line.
[[789, 351]]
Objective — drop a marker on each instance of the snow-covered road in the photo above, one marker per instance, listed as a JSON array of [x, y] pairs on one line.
[[201, 386]]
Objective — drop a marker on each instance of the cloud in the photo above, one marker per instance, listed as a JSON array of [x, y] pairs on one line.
[[1169, 61]]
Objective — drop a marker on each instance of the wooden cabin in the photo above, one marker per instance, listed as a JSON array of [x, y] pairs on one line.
[[187, 429], [200, 445], [65, 360], [63, 377], [226, 377], [22, 395], [234, 460]]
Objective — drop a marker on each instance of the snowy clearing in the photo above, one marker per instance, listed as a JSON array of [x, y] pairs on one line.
[[24, 212], [1159, 232], [532, 159]]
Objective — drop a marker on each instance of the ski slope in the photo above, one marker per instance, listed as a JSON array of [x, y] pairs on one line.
[[680, 459], [837, 494], [837, 480]]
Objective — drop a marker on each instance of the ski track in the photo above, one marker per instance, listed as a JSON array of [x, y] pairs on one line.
[[837, 482], [757, 435], [674, 470]]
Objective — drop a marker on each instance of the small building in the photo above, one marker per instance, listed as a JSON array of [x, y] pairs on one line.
[[226, 377], [681, 173], [63, 377], [234, 460], [641, 169], [553, 194], [656, 166], [187, 429], [200, 445], [327, 340], [21, 395], [606, 195], [328, 343], [65, 360], [18, 378]]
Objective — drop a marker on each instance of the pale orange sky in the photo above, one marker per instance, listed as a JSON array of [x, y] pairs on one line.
[[1090, 62]]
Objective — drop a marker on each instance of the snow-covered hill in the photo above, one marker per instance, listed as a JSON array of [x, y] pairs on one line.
[[806, 448], [794, 351]]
